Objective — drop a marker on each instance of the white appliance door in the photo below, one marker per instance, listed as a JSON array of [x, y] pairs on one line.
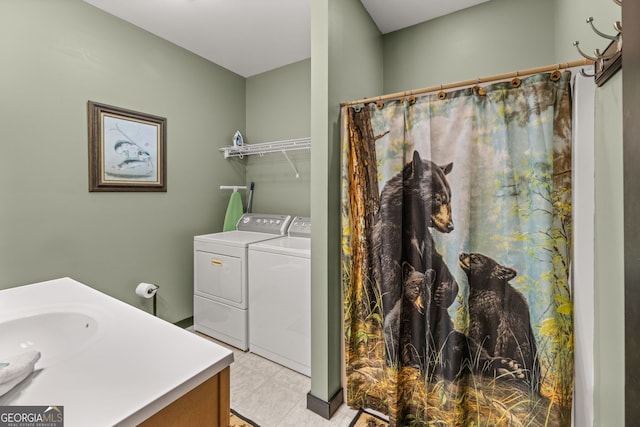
[[219, 277], [221, 321], [280, 309]]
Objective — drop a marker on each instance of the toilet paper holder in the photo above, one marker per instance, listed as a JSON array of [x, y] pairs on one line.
[[148, 290]]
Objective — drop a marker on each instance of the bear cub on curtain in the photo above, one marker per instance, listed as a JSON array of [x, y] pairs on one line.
[[499, 314], [412, 308]]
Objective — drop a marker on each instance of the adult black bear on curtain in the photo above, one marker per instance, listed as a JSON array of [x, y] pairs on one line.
[[417, 198], [499, 314]]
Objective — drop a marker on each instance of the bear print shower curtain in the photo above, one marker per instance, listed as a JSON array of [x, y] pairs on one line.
[[456, 247]]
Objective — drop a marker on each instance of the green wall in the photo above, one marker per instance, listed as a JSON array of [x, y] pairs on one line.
[[57, 55], [570, 25], [278, 108], [507, 35], [608, 354], [609, 337], [492, 38], [346, 52]]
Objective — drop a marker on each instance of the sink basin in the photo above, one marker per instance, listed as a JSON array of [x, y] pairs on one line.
[[56, 335]]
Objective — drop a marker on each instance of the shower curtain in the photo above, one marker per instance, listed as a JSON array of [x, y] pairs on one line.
[[456, 251]]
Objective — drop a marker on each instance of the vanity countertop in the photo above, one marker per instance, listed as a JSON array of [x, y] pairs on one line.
[[107, 363]]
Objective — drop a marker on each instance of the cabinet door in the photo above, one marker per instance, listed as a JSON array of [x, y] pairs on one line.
[[220, 278]]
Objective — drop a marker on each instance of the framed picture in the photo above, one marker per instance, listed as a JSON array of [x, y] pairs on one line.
[[127, 150]]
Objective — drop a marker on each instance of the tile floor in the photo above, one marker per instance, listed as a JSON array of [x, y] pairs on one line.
[[273, 395]]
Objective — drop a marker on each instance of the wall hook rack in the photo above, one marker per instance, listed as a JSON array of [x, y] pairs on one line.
[[606, 63], [600, 33], [585, 74], [589, 57]]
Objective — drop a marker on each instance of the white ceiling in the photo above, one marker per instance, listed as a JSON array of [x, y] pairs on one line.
[[392, 15], [250, 37]]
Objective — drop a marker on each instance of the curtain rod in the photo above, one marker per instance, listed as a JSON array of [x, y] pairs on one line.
[[398, 95]]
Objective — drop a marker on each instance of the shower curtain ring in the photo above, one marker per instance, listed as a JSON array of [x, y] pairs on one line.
[[477, 89], [555, 76], [515, 82]]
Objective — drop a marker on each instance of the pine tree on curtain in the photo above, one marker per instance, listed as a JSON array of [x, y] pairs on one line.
[[456, 222]]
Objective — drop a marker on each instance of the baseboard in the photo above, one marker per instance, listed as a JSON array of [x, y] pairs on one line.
[[323, 408], [185, 323]]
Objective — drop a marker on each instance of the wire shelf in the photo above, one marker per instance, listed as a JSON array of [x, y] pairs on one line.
[[266, 147]]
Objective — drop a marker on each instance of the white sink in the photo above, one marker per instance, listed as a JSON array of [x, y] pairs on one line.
[[56, 335]]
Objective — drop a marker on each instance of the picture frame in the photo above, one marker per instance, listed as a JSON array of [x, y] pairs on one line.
[[127, 149]]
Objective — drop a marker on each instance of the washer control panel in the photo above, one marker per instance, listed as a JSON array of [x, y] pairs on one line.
[[264, 223], [300, 227]]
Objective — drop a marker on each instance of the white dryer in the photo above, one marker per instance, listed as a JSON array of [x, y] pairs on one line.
[[280, 298], [220, 301]]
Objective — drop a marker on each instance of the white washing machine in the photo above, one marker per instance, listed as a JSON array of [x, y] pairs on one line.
[[220, 301], [280, 298]]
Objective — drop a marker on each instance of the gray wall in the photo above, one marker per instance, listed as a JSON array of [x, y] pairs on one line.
[[278, 108], [56, 55]]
